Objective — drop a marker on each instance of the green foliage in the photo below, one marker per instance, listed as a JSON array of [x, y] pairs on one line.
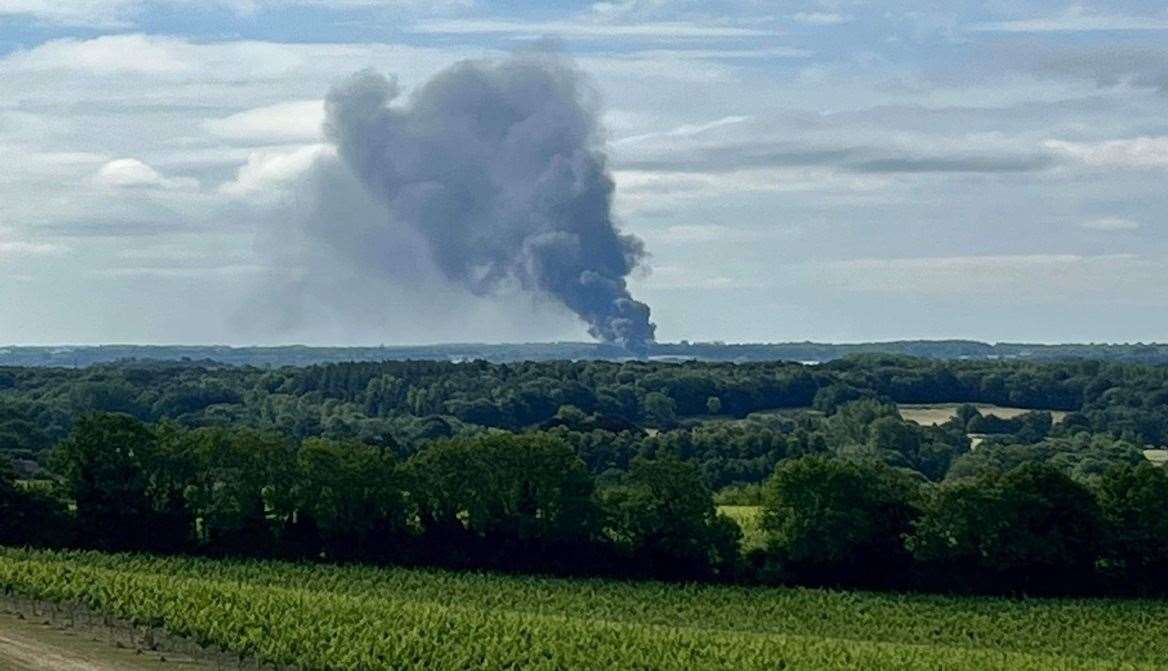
[[664, 517], [418, 402], [29, 516], [714, 405], [486, 464], [1029, 427], [105, 466], [660, 409], [1082, 456], [839, 520], [749, 494], [351, 494], [1033, 526], [1134, 503], [235, 481], [530, 488]]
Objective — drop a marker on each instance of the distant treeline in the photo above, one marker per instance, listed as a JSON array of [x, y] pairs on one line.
[[527, 502], [299, 355]]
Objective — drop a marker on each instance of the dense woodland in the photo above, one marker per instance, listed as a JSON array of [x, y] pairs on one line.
[[606, 468]]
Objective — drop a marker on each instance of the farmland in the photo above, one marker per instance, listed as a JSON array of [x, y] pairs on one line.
[[412, 515], [935, 414], [323, 617]]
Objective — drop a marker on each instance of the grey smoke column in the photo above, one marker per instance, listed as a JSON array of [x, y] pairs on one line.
[[500, 167]]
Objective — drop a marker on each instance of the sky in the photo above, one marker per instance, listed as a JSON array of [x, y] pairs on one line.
[[837, 170]]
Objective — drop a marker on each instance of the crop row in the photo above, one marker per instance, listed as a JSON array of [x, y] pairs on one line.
[[318, 617]]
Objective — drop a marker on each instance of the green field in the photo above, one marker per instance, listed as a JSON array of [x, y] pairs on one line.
[[349, 618], [747, 518]]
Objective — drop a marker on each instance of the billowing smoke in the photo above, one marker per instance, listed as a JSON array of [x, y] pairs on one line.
[[499, 167]]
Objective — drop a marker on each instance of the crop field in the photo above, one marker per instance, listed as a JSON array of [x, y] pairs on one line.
[[349, 618], [933, 414]]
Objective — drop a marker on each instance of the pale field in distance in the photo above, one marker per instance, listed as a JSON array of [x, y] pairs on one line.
[[934, 414]]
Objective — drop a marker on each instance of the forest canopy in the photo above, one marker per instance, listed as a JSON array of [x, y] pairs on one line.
[[605, 467]]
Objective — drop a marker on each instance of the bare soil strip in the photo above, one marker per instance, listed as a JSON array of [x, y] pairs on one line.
[[32, 646]]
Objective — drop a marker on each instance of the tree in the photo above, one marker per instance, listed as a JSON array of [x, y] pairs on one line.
[[105, 466], [664, 517], [833, 520], [964, 414], [713, 405], [1134, 504], [242, 488], [7, 479], [894, 435], [498, 491], [352, 494], [851, 423], [1034, 527], [29, 516], [660, 409]]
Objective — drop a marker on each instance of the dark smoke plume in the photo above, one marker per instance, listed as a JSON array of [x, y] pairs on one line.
[[500, 168]]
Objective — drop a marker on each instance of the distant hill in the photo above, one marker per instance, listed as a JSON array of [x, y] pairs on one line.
[[299, 355]]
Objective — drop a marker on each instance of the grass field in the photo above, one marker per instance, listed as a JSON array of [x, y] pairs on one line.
[[1158, 457], [350, 618], [933, 414], [747, 518]]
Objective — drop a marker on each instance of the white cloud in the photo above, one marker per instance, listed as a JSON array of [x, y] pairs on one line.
[[1076, 19], [122, 13], [626, 8], [100, 13], [638, 69], [1110, 224], [690, 233], [268, 172], [296, 121], [685, 234], [18, 249], [1140, 152], [45, 167], [686, 130], [965, 263], [128, 172], [119, 73], [156, 56], [132, 173], [820, 18], [107, 54], [678, 277], [650, 190], [724, 54], [1044, 275], [585, 29], [181, 273]]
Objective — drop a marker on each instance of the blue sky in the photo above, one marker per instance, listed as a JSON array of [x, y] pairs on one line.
[[835, 170]]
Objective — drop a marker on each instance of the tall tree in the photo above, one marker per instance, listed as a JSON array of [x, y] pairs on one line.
[[829, 519], [105, 467], [664, 515]]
